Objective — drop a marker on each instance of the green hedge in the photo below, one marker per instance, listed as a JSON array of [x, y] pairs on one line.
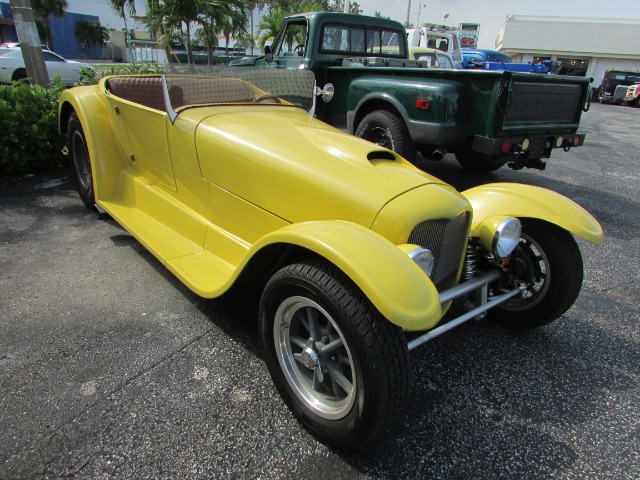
[[29, 138]]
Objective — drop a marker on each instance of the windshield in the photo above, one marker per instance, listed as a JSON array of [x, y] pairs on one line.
[[243, 85]]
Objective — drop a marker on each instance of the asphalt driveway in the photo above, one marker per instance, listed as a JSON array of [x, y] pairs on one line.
[[109, 367]]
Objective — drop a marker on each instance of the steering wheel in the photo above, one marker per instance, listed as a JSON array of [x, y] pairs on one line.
[[267, 96], [299, 50]]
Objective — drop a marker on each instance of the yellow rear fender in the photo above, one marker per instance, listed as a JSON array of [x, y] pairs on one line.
[[103, 151], [395, 285], [526, 201]]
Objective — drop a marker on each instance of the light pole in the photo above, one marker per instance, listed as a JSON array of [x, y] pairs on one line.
[[29, 41]]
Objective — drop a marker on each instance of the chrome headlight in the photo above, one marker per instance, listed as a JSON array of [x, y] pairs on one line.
[[507, 237], [424, 259]]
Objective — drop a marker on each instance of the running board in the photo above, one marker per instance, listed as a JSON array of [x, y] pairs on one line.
[[479, 285]]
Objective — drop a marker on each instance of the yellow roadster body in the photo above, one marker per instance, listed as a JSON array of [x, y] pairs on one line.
[[229, 180]]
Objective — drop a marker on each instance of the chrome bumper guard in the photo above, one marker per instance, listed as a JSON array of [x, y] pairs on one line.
[[480, 285]]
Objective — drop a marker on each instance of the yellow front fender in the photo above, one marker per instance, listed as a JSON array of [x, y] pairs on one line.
[[386, 275], [526, 201]]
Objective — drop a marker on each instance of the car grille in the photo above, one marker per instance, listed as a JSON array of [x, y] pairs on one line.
[[446, 238]]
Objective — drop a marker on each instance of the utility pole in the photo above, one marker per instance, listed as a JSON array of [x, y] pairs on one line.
[[406, 24], [29, 41]]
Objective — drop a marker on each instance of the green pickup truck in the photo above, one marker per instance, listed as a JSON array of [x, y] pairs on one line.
[[371, 89]]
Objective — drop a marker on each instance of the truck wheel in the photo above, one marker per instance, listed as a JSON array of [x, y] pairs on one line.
[[341, 367], [479, 163], [80, 161], [548, 258], [386, 129]]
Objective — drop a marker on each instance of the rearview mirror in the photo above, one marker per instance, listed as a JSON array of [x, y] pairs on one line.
[[268, 54]]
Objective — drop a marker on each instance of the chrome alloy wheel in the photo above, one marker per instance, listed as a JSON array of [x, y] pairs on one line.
[[540, 264], [380, 136], [315, 357]]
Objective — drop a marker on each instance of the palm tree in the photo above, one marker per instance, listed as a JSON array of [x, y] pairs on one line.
[[122, 7], [44, 8], [269, 25], [92, 33], [172, 16]]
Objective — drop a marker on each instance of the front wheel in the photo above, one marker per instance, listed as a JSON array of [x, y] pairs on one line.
[[549, 260], [387, 129], [339, 365]]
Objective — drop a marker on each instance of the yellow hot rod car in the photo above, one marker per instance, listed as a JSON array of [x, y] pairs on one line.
[[231, 178]]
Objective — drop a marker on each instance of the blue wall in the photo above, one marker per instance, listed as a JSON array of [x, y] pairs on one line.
[[63, 36], [63, 33], [7, 32]]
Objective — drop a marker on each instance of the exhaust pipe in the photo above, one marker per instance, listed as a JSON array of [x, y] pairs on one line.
[[438, 154], [435, 153]]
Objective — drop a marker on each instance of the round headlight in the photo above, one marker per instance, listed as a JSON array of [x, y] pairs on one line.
[[424, 259], [507, 237]]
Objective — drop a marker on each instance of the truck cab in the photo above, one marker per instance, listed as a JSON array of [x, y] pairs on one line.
[[440, 37]]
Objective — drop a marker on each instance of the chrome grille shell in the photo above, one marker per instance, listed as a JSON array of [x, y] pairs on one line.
[[447, 239]]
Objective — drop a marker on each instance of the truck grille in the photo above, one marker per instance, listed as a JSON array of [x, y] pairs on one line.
[[446, 238], [620, 92], [543, 103]]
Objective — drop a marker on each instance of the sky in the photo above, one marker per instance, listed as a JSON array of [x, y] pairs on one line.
[[489, 14]]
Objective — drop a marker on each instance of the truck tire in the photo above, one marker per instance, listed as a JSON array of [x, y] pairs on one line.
[[387, 129], [341, 367], [551, 256], [478, 163]]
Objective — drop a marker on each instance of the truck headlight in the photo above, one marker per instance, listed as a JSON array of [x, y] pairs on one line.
[[500, 235], [424, 259]]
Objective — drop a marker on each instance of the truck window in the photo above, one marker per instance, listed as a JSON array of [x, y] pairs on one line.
[[293, 41], [357, 40]]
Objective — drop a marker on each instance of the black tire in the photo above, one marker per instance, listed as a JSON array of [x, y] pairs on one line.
[[348, 395], [551, 255], [478, 163], [388, 130], [20, 74], [80, 160]]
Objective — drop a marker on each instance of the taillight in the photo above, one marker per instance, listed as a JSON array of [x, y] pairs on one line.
[[505, 146], [576, 140], [422, 103]]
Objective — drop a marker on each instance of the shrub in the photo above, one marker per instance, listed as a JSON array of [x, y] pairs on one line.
[[29, 138], [91, 76]]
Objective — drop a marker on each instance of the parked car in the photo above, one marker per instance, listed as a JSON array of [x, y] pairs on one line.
[[12, 67], [228, 180], [481, 55], [431, 57]]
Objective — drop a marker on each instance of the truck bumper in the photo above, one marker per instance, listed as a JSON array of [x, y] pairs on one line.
[[531, 146]]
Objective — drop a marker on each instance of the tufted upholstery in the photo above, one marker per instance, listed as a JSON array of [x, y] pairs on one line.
[[145, 90]]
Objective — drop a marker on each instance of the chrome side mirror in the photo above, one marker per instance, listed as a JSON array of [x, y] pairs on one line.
[[326, 93]]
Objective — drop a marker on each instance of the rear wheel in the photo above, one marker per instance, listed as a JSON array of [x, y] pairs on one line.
[[80, 161], [387, 129], [20, 74], [339, 365], [549, 260], [479, 163]]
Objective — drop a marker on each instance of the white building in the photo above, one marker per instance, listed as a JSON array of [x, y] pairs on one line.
[[585, 46]]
